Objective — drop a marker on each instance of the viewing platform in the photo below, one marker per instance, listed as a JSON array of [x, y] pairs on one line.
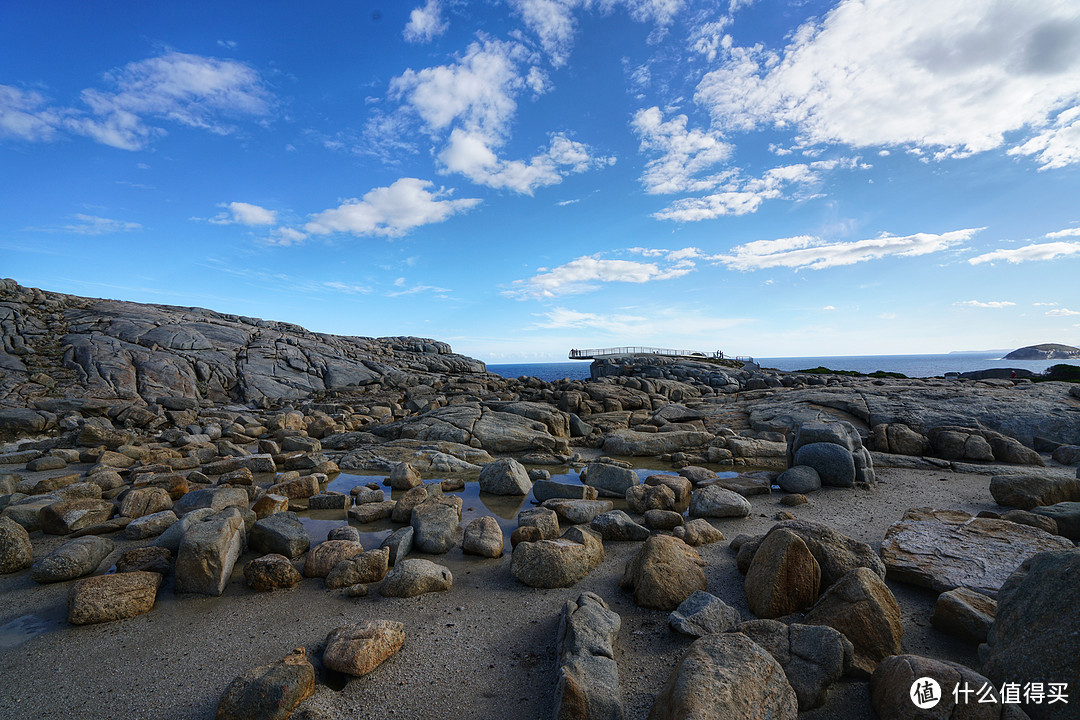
[[636, 351]]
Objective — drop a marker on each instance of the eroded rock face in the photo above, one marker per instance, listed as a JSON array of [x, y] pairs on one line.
[[105, 598], [703, 614], [783, 578], [360, 648], [946, 549], [412, 576], [208, 552], [726, 677], [891, 683], [557, 563], [71, 560], [16, 552], [863, 608], [813, 656], [269, 692], [1029, 491], [271, 572], [835, 552]]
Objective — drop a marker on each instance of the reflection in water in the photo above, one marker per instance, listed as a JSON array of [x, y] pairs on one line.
[[504, 508], [22, 629]]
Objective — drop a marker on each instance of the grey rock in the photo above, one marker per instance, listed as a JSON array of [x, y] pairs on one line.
[[813, 656], [1038, 602], [892, 682], [799, 479], [325, 556], [1029, 491], [964, 613], [557, 563], [663, 519], [578, 512], [1066, 515], [834, 463], [836, 553], [16, 552], [282, 534], [68, 516], [412, 576], [698, 532], [170, 539], [73, 559], [663, 573], [484, 537], [399, 543], [374, 511], [609, 480], [344, 532], [208, 552], [271, 572], [505, 477], [328, 501], [150, 525], [587, 684], [543, 519], [642, 498], [703, 614], [435, 524], [215, 498], [366, 567], [717, 502], [547, 490], [615, 525]]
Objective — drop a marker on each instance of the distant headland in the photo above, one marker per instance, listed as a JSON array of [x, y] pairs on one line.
[[1046, 351]]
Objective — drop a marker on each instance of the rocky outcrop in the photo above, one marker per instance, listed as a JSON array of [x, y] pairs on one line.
[[98, 348], [1045, 351]]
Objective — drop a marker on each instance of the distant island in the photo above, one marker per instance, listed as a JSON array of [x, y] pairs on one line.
[[1046, 351]]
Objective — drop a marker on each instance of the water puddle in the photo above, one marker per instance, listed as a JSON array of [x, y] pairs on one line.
[[21, 629]]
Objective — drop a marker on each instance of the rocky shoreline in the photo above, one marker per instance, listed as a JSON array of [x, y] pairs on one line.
[[276, 521]]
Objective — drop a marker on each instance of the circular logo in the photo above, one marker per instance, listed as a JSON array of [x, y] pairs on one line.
[[925, 693]]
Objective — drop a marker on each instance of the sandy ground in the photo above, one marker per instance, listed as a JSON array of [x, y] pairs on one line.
[[484, 649]]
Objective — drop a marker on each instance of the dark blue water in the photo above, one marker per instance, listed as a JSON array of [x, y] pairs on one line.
[[910, 365]]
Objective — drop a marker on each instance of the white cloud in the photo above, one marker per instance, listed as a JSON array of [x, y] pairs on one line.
[[191, 90], [829, 307], [554, 24], [560, 318], [996, 304], [1045, 304], [1062, 312], [816, 254], [470, 155], [348, 288], [740, 196], [23, 115], [416, 289], [692, 326], [425, 23], [1035, 251], [584, 274], [241, 213], [950, 76], [390, 211], [708, 38], [1067, 232], [683, 153], [286, 236], [93, 225]]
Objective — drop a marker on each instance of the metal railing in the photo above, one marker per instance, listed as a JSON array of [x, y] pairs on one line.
[[593, 353]]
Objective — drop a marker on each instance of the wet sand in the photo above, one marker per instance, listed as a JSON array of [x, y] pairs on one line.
[[484, 649]]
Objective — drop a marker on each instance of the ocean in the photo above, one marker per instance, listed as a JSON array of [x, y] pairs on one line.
[[910, 365]]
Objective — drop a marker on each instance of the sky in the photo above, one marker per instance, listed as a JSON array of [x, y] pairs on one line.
[[523, 177]]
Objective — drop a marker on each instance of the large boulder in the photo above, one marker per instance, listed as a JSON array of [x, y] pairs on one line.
[[215, 498], [615, 525], [813, 656], [1034, 637], [964, 613], [359, 648], [271, 572], [946, 549], [546, 490], [714, 501], [68, 516], [404, 477], [895, 678], [578, 512], [269, 692], [505, 477], [105, 598], [483, 537], [703, 614], [836, 553], [726, 677], [664, 573], [150, 525], [71, 560], [861, 606], [1029, 491], [435, 524], [366, 567], [322, 558], [1066, 516], [587, 686], [609, 480], [783, 578], [16, 552], [413, 576], [281, 533], [642, 498], [208, 552], [557, 563], [834, 464]]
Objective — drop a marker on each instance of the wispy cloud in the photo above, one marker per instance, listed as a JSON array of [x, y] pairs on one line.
[[1027, 253], [24, 115], [1062, 312], [684, 154], [242, 213], [808, 252], [92, 225], [996, 304], [587, 273]]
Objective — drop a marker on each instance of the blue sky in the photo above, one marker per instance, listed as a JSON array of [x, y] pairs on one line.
[[522, 177]]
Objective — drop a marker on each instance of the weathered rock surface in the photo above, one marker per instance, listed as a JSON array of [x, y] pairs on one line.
[[615, 525], [505, 477], [587, 686], [836, 553], [435, 524], [68, 516], [892, 681], [546, 490], [813, 656], [698, 532], [664, 573], [208, 552], [703, 614], [726, 677], [783, 578], [1039, 603], [578, 512], [271, 572], [483, 537], [105, 598], [281, 533], [557, 563], [360, 648], [717, 502], [946, 549], [366, 567], [323, 557], [413, 576], [1066, 516], [1029, 491], [269, 692], [16, 552], [964, 613], [863, 608], [609, 480], [71, 560], [150, 525]]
